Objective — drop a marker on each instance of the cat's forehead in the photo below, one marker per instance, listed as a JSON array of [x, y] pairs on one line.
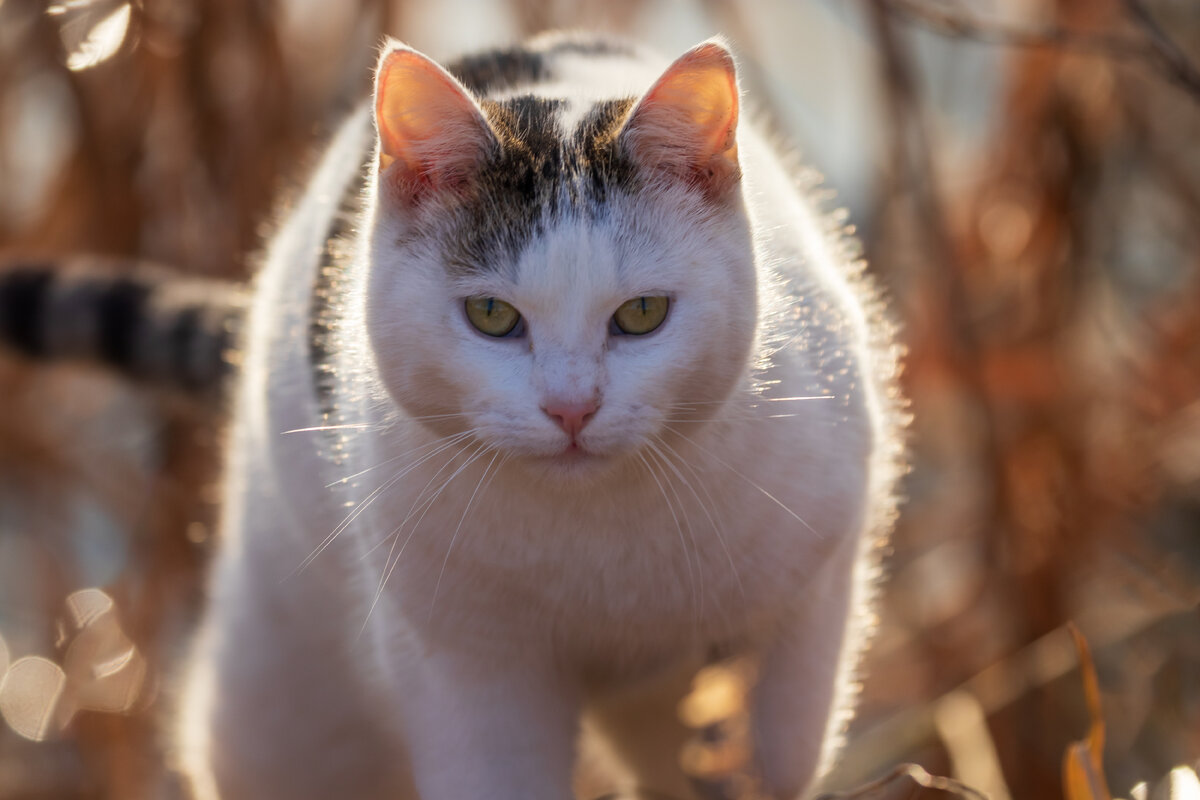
[[577, 267], [559, 159]]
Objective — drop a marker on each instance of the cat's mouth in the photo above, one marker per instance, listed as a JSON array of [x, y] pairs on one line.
[[574, 459], [574, 452]]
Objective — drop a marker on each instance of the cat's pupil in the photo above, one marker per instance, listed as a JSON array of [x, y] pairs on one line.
[[641, 315], [493, 317]]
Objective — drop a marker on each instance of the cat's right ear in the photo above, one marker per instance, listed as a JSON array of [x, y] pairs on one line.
[[432, 134]]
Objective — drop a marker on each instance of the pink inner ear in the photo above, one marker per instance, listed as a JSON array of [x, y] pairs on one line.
[[429, 127], [687, 122]]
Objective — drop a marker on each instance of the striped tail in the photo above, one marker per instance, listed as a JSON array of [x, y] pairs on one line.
[[146, 322]]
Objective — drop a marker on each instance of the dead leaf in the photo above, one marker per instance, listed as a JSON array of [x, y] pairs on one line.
[[1083, 763]]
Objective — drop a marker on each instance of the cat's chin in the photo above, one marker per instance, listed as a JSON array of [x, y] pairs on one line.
[[572, 464]]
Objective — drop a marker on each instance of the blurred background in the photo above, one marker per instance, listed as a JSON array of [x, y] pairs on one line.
[[1024, 176]]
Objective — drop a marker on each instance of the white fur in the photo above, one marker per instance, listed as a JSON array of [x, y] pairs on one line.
[[484, 593]]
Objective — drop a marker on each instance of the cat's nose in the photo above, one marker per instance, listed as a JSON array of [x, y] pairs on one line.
[[571, 415]]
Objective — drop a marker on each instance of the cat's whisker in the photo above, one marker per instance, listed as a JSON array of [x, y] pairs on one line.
[[391, 563], [756, 400], [394, 534], [394, 458], [421, 504], [363, 504], [436, 416], [347, 426], [454, 537], [367, 425], [678, 527], [732, 419], [704, 507], [756, 486], [660, 458]]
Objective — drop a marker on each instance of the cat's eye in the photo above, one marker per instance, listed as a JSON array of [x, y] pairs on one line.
[[491, 316], [641, 315]]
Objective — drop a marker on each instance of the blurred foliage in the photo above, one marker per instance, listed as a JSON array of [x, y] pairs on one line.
[[1049, 287]]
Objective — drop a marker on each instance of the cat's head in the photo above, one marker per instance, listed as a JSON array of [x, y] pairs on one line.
[[564, 277]]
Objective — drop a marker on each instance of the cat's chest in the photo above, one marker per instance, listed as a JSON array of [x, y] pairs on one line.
[[668, 556]]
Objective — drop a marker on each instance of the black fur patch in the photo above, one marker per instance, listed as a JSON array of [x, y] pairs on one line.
[[538, 177], [593, 46], [23, 296], [122, 307], [596, 135], [182, 341], [497, 70]]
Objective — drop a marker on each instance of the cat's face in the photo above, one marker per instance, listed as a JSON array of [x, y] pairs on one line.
[[567, 353], [561, 296]]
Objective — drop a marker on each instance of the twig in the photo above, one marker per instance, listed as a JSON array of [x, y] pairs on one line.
[[1171, 61], [964, 25], [1155, 47]]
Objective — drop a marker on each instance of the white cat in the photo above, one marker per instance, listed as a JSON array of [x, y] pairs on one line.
[[585, 392]]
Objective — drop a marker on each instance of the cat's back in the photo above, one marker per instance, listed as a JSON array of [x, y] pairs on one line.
[[567, 66]]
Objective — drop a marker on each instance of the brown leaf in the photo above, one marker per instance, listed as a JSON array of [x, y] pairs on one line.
[[1083, 763]]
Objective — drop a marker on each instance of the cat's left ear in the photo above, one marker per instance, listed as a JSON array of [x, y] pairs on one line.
[[432, 133], [686, 125]]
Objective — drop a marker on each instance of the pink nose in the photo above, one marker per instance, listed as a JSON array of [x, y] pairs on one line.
[[571, 415]]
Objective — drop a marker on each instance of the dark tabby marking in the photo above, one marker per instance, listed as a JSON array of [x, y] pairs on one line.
[[591, 46], [498, 70], [23, 293], [538, 177], [147, 322], [122, 306]]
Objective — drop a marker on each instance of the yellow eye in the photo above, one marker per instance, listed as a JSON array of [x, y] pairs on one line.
[[491, 316], [641, 315]]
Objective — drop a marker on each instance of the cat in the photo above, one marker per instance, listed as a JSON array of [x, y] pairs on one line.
[[555, 386]]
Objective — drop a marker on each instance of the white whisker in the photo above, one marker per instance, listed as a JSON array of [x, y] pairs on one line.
[[387, 461], [347, 426], [678, 527], [435, 416], [767, 494], [755, 400], [423, 506], [365, 425], [417, 504], [420, 505], [363, 504], [450, 547], [734, 419], [711, 503], [698, 607]]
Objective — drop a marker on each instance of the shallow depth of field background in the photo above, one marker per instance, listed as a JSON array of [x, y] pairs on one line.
[[1024, 176]]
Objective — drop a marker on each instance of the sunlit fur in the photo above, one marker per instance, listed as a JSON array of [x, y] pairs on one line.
[[425, 584]]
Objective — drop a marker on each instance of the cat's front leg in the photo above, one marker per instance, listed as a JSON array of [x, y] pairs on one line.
[[796, 693], [481, 728]]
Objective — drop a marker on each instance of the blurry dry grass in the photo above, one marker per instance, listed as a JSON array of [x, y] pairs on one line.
[[1050, 296]]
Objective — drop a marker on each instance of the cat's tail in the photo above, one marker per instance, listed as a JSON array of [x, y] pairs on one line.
[[146, 322]]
